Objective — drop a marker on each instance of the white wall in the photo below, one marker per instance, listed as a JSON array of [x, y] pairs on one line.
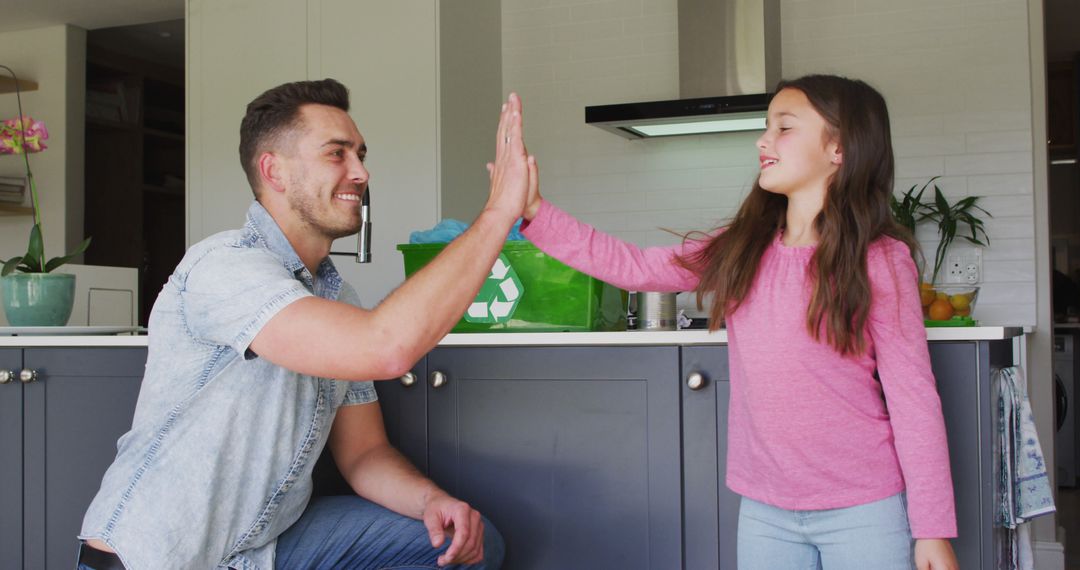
[[55, 58], [955, 75]]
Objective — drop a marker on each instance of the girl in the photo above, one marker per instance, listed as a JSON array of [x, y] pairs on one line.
[[819, 292]]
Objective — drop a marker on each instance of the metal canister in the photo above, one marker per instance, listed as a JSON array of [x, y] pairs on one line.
[[656, 311]]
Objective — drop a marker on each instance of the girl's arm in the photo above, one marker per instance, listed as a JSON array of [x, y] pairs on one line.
[[903, 361], [604, 257], [595, 253]]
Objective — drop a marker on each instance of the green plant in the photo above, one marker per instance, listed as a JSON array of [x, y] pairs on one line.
[[24, 135], [910, 209], [949, 219]]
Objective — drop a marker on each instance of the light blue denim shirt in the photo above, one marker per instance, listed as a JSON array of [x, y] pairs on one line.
[[219, 457]]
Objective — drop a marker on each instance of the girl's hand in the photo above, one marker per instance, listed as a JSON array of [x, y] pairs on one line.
[[934, 554], [532, 203]]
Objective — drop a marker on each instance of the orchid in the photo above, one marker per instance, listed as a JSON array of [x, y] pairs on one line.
[[24, 135]]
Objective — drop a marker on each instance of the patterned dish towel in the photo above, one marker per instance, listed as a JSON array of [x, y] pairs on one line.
[[1024, 484], [1023, 470]]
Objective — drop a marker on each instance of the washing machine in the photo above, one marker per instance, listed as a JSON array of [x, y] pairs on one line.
[[1066, 377]]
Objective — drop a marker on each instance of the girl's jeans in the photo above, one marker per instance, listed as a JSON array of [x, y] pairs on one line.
[[875, 535]]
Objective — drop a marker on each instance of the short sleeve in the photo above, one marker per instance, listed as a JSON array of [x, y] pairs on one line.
[[232, 292]]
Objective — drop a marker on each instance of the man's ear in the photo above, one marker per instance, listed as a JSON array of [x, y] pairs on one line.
[[271, 172]]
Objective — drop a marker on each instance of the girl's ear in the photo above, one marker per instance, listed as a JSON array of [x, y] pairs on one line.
[[836, 153]]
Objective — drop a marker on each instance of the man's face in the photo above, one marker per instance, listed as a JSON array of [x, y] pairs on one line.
[[325, 173]]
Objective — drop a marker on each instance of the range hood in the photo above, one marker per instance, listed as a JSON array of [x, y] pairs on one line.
[[729, 59]]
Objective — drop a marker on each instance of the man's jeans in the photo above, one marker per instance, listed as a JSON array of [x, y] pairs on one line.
[[875, 535], [350, 532]]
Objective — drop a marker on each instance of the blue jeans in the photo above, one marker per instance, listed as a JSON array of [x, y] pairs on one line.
[[875, 535], [347, 531]]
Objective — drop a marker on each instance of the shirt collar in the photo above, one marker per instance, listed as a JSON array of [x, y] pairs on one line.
[[263, 225]]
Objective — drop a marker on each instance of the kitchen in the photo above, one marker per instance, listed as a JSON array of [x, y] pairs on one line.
[[959, 79]]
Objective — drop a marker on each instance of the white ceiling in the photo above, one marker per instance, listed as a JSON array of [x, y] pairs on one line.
[[88, 14]]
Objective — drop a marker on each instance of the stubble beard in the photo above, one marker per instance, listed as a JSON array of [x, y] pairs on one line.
[[306, 207]]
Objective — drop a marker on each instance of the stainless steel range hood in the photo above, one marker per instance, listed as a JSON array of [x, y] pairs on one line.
[[729, 59]]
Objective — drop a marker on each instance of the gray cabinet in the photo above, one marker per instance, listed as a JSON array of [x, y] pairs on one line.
[[711, 510], [572, 452], [969, 404], [58, 436]]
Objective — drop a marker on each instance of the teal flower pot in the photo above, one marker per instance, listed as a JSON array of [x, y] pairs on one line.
[[37, 299]]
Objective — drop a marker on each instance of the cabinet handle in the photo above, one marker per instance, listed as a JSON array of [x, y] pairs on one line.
[[438, 379], [6, 376], [408, 379], [27, 376], [695, 381]]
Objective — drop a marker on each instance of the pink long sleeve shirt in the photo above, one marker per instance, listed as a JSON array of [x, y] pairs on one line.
[[808, 429]]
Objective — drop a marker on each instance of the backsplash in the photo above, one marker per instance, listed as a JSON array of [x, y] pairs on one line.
[[956, 78]]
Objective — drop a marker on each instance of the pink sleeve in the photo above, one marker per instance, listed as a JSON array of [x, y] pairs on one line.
[[903, 361], [619, 263]]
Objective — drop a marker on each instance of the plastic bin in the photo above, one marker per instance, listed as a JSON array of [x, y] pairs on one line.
[[529, 291]]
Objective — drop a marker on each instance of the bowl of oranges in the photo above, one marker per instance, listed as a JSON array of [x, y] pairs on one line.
[[948, 305]]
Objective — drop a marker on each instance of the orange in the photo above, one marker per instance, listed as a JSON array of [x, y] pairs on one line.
[[966, 311], [926, 295], [960, 302], [940, 310]]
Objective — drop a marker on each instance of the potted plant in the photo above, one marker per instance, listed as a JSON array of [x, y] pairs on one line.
[[943, 302], [32, 295]]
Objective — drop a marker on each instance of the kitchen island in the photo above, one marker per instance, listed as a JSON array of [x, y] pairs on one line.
[[596, 450]]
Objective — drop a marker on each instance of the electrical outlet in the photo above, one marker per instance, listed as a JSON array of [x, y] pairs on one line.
[[963, 265]]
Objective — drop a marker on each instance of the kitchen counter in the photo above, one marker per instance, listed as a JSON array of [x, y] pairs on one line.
[[627, 338]]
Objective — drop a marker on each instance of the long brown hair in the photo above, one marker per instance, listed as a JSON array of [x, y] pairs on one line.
[[855, 213]]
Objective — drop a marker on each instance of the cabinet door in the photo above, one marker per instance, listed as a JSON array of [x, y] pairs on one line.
[[969, 404], [572, 452], [712, 510], [11, 471], [82, 401]]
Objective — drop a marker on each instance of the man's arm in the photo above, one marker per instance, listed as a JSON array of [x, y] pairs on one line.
[[377, 472], [325, 338]]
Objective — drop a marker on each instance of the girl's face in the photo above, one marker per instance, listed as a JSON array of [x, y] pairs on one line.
[[797, 152]]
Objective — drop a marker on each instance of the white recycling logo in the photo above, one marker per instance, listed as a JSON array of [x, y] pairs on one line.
[[498, 296]]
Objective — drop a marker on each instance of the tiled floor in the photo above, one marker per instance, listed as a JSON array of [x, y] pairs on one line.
[[1068, 516]]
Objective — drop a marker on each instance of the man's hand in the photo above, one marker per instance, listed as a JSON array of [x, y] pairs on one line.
[[934, 554], [444, 514], [509, 173]]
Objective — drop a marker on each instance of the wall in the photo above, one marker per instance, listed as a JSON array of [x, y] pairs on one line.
[[470, 93], [54, 57], [954, 74]]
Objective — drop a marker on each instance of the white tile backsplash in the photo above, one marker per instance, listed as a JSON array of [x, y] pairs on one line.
[[954, 72]]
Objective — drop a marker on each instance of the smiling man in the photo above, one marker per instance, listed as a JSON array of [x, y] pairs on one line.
[[259, 355]]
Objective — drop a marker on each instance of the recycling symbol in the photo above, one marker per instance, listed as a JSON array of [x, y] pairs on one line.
[[498, 297]]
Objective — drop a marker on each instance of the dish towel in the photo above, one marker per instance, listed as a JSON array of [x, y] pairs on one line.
[[1024, 483]]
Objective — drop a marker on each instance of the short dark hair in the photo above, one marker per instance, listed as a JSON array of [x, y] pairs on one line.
[[277, 111]]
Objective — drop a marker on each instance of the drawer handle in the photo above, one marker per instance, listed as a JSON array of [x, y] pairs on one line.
[[27, 376], [6, 376], [438, 379], [695, 381], [408, 379]]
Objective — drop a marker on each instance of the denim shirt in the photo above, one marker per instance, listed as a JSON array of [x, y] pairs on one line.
[[218, 460]]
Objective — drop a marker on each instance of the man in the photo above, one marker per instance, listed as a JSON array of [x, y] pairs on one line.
[[259, 355]]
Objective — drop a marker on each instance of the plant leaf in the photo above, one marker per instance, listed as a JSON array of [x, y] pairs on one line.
[[35, 251], [58, 261], [9, 265]]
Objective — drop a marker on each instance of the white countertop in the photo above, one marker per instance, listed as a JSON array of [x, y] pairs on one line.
[[627, 338]]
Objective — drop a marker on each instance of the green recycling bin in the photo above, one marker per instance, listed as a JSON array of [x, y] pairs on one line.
[[529, 291]]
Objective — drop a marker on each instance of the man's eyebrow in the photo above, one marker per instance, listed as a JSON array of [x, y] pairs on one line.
[[344, 142]]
